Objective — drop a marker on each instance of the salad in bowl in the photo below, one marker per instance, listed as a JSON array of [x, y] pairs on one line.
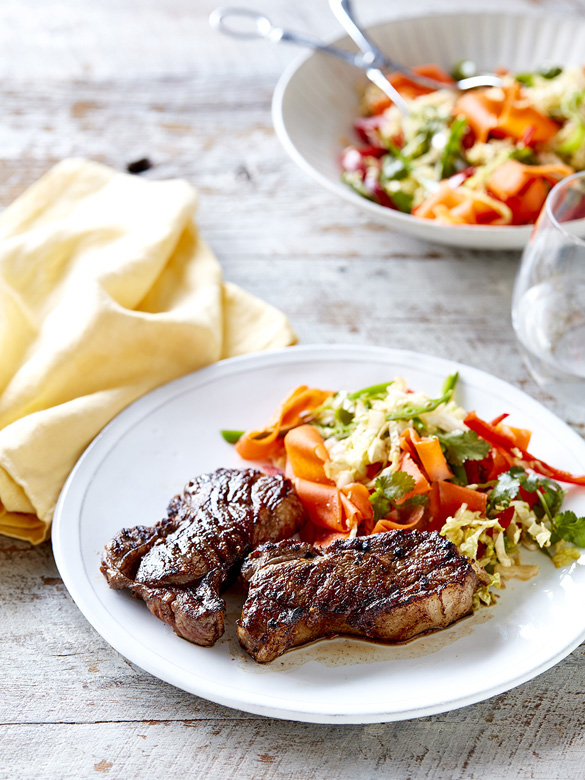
[[318, 100], [488, 156]]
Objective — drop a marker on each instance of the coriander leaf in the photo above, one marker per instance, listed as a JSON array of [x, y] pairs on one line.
[[460, 446], [525, 478], [390, 488], [504, 491], [569, 527], [396, 485], [419, 499], [549, 493], [380, 505], [553, 494]]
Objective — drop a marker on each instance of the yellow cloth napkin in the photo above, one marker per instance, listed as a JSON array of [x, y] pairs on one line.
[[106, 291]]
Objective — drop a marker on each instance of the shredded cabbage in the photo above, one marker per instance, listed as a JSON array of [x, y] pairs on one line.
[[365, 427], [467, 530], [525, 518], [492, 547], [565, 554], [369, 437]]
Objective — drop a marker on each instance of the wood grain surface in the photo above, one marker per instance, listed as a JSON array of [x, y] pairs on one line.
[[117, 82]]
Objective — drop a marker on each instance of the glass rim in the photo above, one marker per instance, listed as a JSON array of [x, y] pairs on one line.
[[549, 205]]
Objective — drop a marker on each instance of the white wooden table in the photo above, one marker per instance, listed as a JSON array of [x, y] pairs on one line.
[[147, 78]]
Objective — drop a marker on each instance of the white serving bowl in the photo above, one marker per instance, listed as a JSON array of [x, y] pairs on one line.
[[317, 98]]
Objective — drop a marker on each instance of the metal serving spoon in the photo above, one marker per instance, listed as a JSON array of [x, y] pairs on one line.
[[370, 59], [343, 12]]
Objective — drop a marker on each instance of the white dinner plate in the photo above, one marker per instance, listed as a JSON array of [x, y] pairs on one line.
[[145, 456], [317, 99]]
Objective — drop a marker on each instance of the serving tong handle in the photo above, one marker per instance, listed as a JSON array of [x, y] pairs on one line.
[[342, 10], [246, 24], [370, 59]]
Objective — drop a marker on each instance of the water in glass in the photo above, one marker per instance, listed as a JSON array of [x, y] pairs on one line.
[[548, 310]]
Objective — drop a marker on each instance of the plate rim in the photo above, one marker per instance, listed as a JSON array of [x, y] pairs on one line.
[[507, 237], [130, 646]]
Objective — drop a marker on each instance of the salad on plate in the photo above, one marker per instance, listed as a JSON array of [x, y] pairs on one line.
[[387, 457], [487, 156]]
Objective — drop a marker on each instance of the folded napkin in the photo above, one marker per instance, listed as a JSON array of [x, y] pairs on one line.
[[106, 291]]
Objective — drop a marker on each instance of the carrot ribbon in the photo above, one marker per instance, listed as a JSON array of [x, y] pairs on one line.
[[415, 515], [463, 206], [432, 458], [504, 112], [268, 444], [407, 87], [446, 498], [337, 509], [523, 188]]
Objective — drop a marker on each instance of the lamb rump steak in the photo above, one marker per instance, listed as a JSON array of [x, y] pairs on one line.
[[389, 586], [180, 565]]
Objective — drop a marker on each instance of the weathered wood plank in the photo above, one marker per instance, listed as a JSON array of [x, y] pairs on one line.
[[496, 741]]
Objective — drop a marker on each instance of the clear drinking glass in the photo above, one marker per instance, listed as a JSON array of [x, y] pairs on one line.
[[548, 306]]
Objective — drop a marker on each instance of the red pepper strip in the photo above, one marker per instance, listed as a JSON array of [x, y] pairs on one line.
[[498, 438], [501, 461], [499, 418], [505, 517], [529, 498]]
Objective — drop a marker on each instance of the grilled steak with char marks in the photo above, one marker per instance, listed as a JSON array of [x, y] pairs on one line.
[[389, 586], [179, 566]]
